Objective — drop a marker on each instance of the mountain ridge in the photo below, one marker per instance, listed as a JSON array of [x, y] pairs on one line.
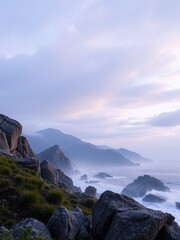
[[78, 151]]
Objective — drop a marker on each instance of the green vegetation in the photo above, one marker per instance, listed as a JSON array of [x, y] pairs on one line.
[[25, 234], [89, 203], [24, 195], [55, 196]]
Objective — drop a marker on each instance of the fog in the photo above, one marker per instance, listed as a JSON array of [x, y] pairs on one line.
[[122, 176]]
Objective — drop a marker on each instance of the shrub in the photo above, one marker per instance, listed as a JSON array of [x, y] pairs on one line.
[[27, 186], [55, 196], [42, 211], [19, 179], [89, 203], [37, 182], [31, 198]]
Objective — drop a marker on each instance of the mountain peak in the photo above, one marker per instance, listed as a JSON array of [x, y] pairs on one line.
[[57, 157]]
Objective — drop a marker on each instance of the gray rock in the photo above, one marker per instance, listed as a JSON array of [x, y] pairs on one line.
[[32, 163], [38, 228], [12, 130], [91, 191], [83, 177], [142, 185], [178, 205], [102, 175], [23, 149], [58, 159], [76, 189], [118, 217], [85, 223], [153, 198], [63, 225], [57, 177]]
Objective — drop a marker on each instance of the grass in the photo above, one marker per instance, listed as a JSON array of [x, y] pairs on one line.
[[24, 195], [55, 196]]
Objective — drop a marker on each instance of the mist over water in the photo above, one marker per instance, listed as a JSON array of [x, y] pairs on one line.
[[168, 173]]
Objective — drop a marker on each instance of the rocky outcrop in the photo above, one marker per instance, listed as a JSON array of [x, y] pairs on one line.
[[12, 130], [102, 175], [118, 216], [69, 225], [90, 191], [38, 229], [14, 145], [57, 177], [83, 177], [23, 149], [142, 185], [153, 198], [58, 159]]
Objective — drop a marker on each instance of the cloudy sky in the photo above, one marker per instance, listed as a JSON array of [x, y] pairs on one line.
[[105, 71]]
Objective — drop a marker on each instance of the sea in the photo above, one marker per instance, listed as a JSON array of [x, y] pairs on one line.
[[122, 176]]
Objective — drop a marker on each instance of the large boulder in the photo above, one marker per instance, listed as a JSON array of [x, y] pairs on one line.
[[63, 225], [69, 225], [153, 198], [118, 217], [38, 229], [58, 159], [12, 130], [91, 191], [57, 177], [142, 185]]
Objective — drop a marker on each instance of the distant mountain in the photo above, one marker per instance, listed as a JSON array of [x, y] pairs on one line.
[[57, 157], [133, 156], [78, 151]]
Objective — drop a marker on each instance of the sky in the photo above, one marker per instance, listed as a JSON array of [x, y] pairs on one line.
[[105, 71]]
